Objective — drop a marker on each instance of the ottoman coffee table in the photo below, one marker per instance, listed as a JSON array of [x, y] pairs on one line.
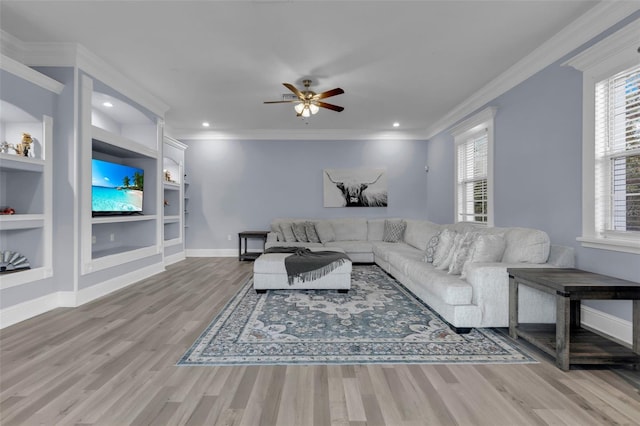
[[269, 273]]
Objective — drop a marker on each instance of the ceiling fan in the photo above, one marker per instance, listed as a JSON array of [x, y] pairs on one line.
[[308, 101]]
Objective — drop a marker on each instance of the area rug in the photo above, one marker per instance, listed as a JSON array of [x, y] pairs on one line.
[[377, 321]]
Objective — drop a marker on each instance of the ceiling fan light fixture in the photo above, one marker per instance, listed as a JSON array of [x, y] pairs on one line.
[[314, 108], [306, 112], [299, 107]]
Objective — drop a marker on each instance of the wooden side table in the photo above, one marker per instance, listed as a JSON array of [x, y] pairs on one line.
[[566, 340], [245, 255]]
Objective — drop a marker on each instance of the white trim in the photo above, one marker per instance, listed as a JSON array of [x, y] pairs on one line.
[[174, 258], [29, 309], [304, 134], [175, 143], [211, 252], [29, 74], [602, 60], [595, 21], [104, 288], [476, 123], [617, 328]]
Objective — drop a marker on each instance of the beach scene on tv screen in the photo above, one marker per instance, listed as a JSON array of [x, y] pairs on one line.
[[116, 187]]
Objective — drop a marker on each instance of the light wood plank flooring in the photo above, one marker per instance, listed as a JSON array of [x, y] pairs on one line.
[[112, 362]]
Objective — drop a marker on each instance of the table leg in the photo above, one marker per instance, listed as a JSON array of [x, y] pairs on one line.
[[563, 331], [239, 247], [513, 307], [575, 314], [635, 326]]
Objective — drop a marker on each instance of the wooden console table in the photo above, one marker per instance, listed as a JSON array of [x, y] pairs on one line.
[[566, 340], [246, 255]]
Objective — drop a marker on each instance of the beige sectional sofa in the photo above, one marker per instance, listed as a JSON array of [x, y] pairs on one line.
[[475, 295]]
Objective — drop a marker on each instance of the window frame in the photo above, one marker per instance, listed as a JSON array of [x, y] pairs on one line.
[[605, 59], [482, 121]]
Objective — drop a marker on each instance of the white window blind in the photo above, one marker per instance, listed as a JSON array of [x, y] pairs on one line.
[[617, 152], [473, 155]]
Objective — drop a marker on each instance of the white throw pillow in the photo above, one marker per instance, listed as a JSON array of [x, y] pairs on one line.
[[461, 252], [447, 238], [486, 248], [299, 232], [325, 232], [287, 232]]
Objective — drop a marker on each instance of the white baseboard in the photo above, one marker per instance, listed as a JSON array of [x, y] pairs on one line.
[[619, 329], [69, 299], [212, 253], [25, 310], [174, 258], [95, 291]]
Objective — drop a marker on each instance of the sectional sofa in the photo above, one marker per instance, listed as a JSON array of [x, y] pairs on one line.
[[470, 292]]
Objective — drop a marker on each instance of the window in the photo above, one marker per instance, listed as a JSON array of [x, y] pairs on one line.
[[474, 168], [617, 152], [611, 141]]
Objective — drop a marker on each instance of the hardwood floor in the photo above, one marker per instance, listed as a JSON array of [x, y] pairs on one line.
[[112, 362]]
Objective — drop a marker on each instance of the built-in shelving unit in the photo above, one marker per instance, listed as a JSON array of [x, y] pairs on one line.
[[26, 181], [117, 131], [173, 201]]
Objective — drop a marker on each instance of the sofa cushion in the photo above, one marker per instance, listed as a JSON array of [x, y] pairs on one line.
[[325, 231], [299, 231], [352, 246], [350, 229], [449, 288], [393, 230], [486, 248], [526, 245], [401, 259], [375, 229], [287, 231], [419, 232], [310, 230]]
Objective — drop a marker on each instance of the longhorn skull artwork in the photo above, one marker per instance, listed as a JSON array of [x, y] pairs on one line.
[[355, 188]]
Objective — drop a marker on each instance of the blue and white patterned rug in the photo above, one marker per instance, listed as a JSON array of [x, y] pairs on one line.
[[377, 321]]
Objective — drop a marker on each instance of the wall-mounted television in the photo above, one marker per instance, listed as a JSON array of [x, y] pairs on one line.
[[116, 189]]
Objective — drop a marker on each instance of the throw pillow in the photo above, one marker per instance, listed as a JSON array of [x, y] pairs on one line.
[[312, 235], [393, 231], [287, 232], [300, 232], [432, 245], [444, 265], [461, 253], [486, 248], [325, 232], [445, 243]]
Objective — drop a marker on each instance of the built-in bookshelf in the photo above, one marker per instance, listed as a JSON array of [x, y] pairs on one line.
[[26, 178], [173, 201], [115, 131]]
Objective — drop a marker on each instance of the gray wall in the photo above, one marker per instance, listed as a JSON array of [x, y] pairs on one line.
[[538, 171], [243, 185]]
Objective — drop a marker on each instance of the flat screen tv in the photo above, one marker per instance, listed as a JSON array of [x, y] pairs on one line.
[[116, 189]]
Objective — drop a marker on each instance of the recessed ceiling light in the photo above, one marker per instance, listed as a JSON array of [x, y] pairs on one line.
[[396, 124], [205, 124], [107, 104]]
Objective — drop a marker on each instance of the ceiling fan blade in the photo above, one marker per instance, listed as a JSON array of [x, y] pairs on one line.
[[329, 106], [329, 93], [280, 102], [294, 90]]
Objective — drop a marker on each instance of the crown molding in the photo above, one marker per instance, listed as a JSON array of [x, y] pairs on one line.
[[29, 74], [304, 134], [470, 123], [592, 23], [174, 142], [624, 42], [76, 55]]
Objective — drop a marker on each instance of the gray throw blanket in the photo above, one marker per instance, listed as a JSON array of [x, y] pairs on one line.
[[307, 265]]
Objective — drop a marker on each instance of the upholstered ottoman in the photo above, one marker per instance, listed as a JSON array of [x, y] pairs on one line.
[[269, 273]]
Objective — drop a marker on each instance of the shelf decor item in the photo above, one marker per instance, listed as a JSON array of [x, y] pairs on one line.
[[13, 261]]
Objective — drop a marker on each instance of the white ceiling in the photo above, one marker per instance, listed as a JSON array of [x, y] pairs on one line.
[[405, 61]]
